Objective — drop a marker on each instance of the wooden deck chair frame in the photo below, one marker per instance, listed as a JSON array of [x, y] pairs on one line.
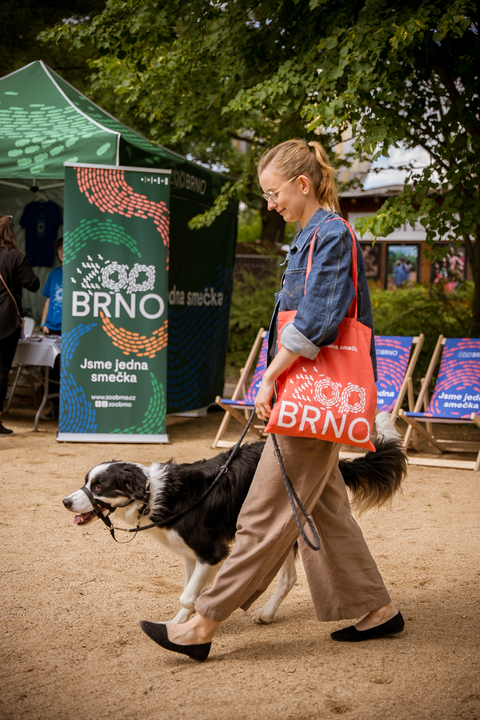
[[407, 384], [444, 446], [238, 393]]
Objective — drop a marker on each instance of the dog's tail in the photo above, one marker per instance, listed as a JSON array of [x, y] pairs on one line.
[[375, 478]]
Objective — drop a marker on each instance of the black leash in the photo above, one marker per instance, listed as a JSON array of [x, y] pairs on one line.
[[293, 497], [220, 474], [98, 505]]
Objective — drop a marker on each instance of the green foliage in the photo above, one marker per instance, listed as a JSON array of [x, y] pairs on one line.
[[186, 69], [249, 225], [421, 309], [252, 307], [20, 44], [395, 72], [407, 73], [291, 230], [23, 40]]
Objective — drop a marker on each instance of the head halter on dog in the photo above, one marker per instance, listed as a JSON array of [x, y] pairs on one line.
[[99, 505]]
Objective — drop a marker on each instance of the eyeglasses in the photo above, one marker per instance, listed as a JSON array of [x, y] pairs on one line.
[[272, 194]]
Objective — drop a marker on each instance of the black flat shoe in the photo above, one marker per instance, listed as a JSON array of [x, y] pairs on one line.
[[158, 633], [4, 430], [351, 634]]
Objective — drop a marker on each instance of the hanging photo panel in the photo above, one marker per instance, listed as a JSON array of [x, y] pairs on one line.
[[372, 255], [402, 266], [450, 271]]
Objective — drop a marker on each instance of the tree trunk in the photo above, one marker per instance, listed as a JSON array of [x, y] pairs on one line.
[[273, 225]]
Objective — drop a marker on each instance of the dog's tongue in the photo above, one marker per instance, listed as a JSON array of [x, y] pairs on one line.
[[83, 518]]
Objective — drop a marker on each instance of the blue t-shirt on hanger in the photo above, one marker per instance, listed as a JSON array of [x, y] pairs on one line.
[[41, 221], [54, 290]]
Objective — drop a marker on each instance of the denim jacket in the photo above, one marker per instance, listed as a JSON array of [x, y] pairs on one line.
[[329, 292]]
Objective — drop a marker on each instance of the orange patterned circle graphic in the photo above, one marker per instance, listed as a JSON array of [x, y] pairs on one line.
[[132, 342], [109, 191]]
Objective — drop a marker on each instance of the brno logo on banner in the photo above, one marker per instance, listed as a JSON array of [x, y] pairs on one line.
[[181, 180], [116, 277], [310, 419]]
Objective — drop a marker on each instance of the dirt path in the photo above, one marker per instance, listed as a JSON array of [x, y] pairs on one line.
[[72, 599]]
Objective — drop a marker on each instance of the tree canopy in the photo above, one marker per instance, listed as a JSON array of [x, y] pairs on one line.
[[20, 41], [181, 66], [402, 72]]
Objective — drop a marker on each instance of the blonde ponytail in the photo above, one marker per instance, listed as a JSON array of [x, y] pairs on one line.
[[295, 157]]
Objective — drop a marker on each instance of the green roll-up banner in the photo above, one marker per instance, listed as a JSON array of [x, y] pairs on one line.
[[115, 300]]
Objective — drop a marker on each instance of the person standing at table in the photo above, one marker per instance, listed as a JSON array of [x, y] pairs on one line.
[[52, 312], [52, 323], [15, 273]]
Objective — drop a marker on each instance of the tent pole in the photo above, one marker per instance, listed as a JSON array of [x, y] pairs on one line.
[[17, 185], [26, 187]]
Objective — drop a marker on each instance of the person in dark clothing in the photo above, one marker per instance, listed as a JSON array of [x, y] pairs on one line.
[[15, 273]]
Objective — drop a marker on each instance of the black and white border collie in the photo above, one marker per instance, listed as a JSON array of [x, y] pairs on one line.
[[204, 535]]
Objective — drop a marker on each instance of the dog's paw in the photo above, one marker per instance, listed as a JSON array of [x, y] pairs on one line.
[[261, 617], [182, 616]]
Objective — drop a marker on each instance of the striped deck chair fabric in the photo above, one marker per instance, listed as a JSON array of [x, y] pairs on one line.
[[395, 369], [395, 366], [248, 399], [241, 407], [456, 396]]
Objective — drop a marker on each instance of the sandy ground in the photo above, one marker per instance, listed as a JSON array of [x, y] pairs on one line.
[[72, 599]]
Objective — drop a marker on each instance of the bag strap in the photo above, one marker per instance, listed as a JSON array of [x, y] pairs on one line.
[[9, 292], [353, 310]]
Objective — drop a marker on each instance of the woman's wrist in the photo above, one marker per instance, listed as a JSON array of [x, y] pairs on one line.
[[270, 376], [43, 324]]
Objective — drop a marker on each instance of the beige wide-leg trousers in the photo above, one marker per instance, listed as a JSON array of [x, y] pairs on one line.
[[343, 578]]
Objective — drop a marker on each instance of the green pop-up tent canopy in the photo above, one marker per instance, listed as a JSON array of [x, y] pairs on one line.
[[45, 123]]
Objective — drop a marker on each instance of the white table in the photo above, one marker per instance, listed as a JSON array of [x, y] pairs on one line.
[[40, 353]]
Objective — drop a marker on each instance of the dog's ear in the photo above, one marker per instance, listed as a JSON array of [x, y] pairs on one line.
[[132, 480]]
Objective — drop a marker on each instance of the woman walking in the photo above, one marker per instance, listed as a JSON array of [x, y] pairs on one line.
[[15, 273], [344, 581]]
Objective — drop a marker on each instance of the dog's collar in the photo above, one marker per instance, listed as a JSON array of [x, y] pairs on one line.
[[144, 510]]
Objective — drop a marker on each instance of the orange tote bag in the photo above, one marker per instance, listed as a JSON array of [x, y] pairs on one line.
[[333, 397]]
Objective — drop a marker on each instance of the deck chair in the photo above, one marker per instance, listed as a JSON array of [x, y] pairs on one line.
[[242, 403], [455, 400], [395, 371]]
